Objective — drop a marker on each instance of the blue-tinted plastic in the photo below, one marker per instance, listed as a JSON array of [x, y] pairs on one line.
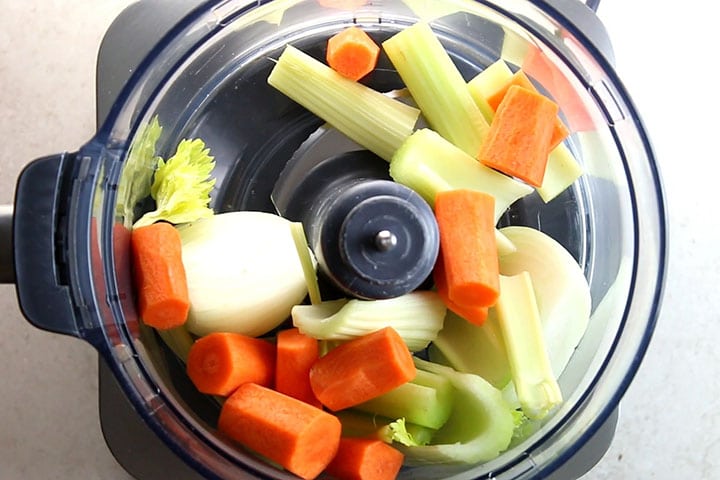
[[205, 79]]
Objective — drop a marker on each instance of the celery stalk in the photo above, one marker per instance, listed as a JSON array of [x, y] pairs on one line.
[[487, 83], [307, 261], [178, 340], [416, 316], [561, 171], [437, 86], [535, 383], [376, 121], [360, 424], [426, 151], [474, 349], [426, 400]]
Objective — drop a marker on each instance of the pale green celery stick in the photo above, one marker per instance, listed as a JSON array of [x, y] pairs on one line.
[[137, 175], [561, 289], [360, 424], [376, 121], [535, 383], [480, 426], [426, 400], [561, 171], [487, 83], [474, 349], [426, 155], [182, 186], [178, 340], [437, 86], [417, 317], [307, 261]]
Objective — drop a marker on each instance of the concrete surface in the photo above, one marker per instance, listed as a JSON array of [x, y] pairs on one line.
[[670, 420]]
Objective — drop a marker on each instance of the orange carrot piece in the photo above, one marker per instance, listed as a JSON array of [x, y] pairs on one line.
[[352, 53], [560, 131], [471, 313], [365, 459], [518, 139], [220, 362], [296, 354], [301, 438], [466, 223], [362, 369], [163, 300]]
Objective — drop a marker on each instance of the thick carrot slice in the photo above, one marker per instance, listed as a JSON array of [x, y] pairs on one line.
[[160, 281], [361, 369], [300, 437], [518, 141], [220, 362], [471, 313], [296, 354], [468, 247], [365, 459], [519, 78], [352, 53]]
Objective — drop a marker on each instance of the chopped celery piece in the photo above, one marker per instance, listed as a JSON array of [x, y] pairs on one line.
[[376, 121], [480, 426], [535, 384], [426, 401], [561, 290], [437, 86], [426, 151], [307, 261], [489, 82], [561, 171], [360, 424], [474, 349], [417, 317], [178, 340]]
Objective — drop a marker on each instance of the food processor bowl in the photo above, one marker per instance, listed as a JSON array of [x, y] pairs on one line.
[[206, 78]]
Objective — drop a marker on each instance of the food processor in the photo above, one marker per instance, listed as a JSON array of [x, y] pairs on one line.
[[201, 68]]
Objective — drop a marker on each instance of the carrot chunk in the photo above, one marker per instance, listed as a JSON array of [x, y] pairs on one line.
[[518, 141], [296, 354], [365, 459], [519, 78], [352, 53], [471, 313], [300, 437], [161, 285], [468, 248], [361, 369], [220, 362]]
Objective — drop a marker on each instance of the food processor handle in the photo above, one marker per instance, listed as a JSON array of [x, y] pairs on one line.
[[7, 271], [38, 245]]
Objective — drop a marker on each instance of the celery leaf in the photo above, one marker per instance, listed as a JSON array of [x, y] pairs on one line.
[[134, 185], [182, 185]]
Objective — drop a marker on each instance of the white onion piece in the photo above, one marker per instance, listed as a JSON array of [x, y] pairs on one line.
[[243, 272]]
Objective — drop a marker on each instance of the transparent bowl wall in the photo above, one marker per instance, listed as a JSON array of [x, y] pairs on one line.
[[206, 79]]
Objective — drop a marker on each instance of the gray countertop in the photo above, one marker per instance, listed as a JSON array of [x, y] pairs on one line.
[[670, 417]]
